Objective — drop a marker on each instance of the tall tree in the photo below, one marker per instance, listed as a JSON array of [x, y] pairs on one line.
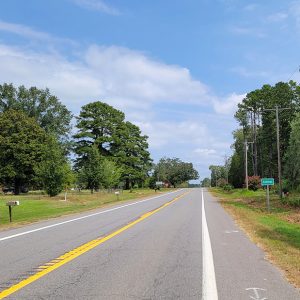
[[53, 171], [217, 173], [205, 182], [22, 145], [39, 104], [90, 173], [259, 123], [292, 156], [98, 124], [131, 153], [102, 125], [236, 173]]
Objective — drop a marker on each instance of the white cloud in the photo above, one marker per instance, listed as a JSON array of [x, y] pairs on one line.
[[294, 12], [277, 17], [97, 5], [247, 73], [124, 77], [177, 134], [251, 7], [30, 33], [229, 104], [133, 73], [248, 31], [204, 151], [135, 83]]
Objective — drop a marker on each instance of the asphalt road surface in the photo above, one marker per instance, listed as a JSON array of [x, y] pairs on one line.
[[173, 246]]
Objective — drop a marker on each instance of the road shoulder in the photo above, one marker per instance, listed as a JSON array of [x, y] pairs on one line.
[[242, 270]]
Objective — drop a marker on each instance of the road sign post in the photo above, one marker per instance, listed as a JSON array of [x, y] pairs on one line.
[[268, 198], [267, 182]]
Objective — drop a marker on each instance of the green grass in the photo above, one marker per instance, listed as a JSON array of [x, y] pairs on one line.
[[281, 230], [278, 232], [36, 206], [239, 193]]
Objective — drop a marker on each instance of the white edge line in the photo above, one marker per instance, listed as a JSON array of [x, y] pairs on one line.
[[209, 285], [84, 217]]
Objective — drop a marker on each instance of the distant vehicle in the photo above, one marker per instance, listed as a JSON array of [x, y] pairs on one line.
[[6, 190]]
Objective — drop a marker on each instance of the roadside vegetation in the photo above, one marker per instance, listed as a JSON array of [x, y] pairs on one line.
[[257, 137], [237, 182], [104, 151], [37, 205], [40, 151], [277, 232]]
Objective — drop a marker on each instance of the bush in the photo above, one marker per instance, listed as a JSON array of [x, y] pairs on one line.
[[227, 187], [254, 183], [294, 202]]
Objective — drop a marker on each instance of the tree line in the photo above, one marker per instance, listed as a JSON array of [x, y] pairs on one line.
[[257, 134], [38, 150]]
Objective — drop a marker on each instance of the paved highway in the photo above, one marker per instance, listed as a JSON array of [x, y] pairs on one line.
[[180, 245]]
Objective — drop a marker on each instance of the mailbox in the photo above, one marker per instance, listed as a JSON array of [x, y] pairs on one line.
[[13, 203], [10, 204]]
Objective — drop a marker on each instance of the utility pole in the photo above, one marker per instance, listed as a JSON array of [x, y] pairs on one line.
[[226, 167], [246, 162], [277, 109], [278, 153]]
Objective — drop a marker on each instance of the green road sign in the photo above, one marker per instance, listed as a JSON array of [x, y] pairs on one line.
[[267, 181]]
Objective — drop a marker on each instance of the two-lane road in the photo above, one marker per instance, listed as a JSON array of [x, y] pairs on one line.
[[180, 245]]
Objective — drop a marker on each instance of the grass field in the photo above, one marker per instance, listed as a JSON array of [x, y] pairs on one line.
[[278, 232], [36, 206]]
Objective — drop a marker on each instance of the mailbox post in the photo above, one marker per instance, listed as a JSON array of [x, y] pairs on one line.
[[267, 182], [10, 204]]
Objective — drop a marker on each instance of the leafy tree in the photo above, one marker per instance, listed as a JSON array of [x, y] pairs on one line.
[[236, 174], [39, 104], [131, 153], [221, 182], [217, 173], [111, 174], [292, 156], [259, 124], [98, 124], [174, 171], [54, 172], [102, 125], [90, 174], [205, 182], [22, 144]]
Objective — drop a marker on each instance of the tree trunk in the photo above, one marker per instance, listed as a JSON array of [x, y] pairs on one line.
[[17, 187], [128, 185]]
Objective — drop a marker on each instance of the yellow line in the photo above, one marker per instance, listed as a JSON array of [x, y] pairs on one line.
[[69, 256]]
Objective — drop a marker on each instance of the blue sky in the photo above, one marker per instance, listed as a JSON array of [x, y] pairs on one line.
[[176, 68]]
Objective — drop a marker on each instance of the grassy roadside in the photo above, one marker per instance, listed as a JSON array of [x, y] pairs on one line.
[[37, 206], [277, 233]]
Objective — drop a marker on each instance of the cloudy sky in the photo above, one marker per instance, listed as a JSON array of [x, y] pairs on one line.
[[177, 68]]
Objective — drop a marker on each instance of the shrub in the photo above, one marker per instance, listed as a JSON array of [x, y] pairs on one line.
[[254, 183], [294, 202], [227, 187]]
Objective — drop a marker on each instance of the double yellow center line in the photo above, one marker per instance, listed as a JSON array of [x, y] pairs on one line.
[[69, 256]]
